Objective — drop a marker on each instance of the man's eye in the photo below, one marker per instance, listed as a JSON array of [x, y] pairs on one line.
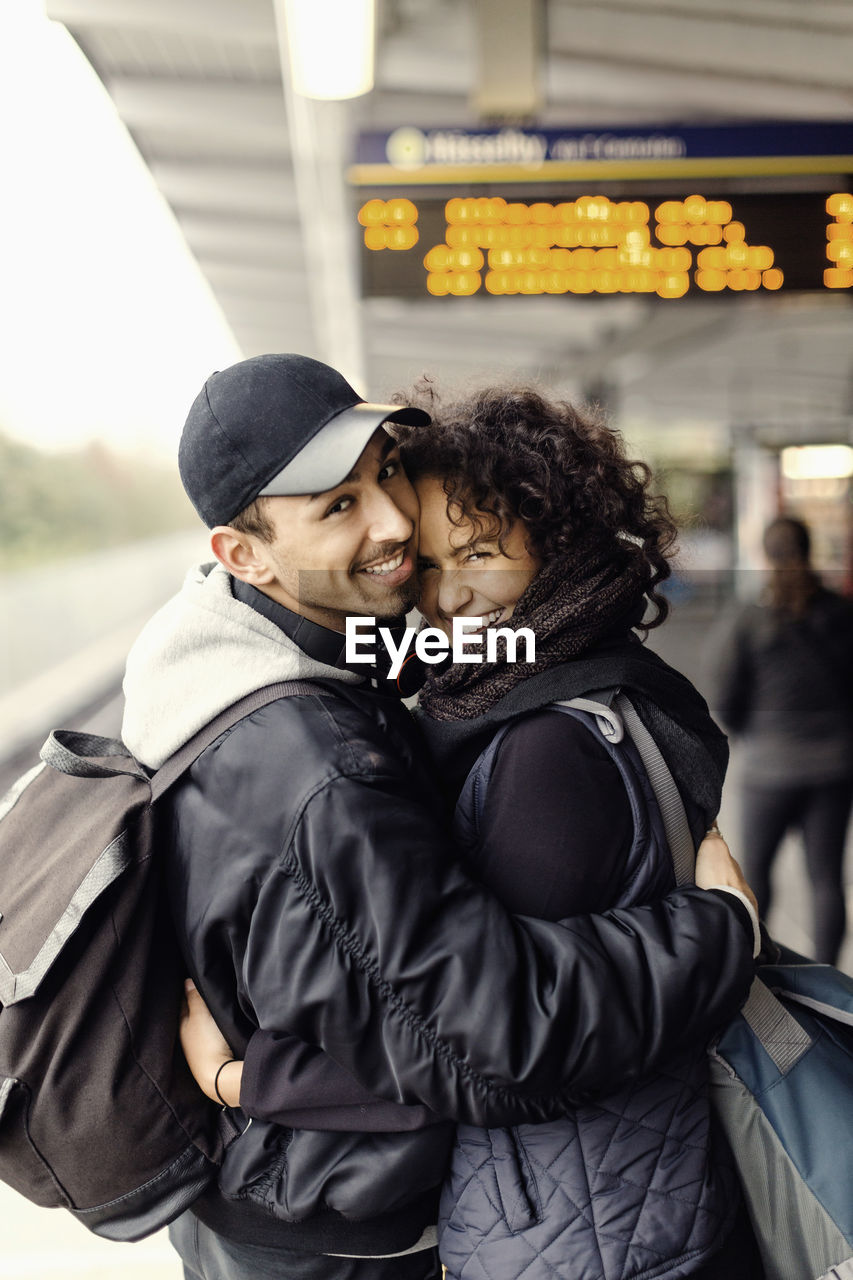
[[390, 469], [340, 505]]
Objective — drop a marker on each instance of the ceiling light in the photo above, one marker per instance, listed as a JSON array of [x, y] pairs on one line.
[[330, 44], [817, 462]]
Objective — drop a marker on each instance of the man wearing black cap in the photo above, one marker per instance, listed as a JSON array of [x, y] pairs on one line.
[[306, 433], [313, 886]]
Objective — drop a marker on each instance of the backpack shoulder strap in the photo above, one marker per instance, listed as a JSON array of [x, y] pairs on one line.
[[666, 793], [609, 723], [186, 755]]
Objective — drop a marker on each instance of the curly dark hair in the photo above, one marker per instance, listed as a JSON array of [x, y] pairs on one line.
[[510, 453]]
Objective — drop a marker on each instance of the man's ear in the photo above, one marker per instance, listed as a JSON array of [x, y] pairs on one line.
[[241, 554]]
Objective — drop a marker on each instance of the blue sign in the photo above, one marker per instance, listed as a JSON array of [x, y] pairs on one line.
[[514, 154]]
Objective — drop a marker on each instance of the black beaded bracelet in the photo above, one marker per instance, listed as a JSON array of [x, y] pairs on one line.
[[216, 1080]]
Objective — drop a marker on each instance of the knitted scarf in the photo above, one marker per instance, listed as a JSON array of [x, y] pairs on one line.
[[570, 604]]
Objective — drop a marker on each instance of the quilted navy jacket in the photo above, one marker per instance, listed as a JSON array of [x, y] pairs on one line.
[[632, 1187]]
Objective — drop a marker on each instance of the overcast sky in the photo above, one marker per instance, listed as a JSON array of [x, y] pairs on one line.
[[107, 328]]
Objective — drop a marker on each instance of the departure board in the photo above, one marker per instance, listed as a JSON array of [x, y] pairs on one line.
[[499, 227]]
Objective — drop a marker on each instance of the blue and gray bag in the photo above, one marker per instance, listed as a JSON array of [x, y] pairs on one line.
[[782, 1087]]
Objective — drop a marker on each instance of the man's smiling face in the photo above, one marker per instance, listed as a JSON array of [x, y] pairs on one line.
[[349, 550]]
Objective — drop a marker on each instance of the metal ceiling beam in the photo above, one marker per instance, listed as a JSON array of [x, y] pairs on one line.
[[595, 90], [230, 238], [258, 189], [239, 114], [655, 48], [391, 107], [658, 37], [818, 13], [249, 22], [193, 146], [425, 68]]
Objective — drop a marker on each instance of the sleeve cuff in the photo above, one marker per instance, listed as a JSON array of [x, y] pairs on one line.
[[750, 910], [250, 1083]]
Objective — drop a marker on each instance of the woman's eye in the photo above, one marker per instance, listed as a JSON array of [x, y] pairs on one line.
[[474, 556], [390, 469], [341, 505], [424, 565]]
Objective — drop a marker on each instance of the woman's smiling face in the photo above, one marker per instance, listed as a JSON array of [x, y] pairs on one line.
[[462, 570]]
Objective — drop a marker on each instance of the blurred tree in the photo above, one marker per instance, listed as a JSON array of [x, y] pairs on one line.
[[54, 505]]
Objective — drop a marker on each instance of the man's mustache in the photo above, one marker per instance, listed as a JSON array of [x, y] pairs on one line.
[[383, 551]]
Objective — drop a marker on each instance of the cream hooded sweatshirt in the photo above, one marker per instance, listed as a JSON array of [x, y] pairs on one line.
[[199, 654]]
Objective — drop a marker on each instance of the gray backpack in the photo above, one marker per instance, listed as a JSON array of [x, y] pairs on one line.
[[98, 1111]]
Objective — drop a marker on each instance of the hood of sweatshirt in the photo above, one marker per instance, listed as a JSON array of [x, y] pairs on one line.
[[199, 654]]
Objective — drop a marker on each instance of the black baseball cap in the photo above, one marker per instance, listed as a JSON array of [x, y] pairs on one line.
[[275, 425]]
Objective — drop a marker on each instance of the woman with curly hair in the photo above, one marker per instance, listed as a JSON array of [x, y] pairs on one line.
[[531, 514]]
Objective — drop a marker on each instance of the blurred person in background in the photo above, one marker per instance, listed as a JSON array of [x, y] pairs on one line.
[[781, 679]]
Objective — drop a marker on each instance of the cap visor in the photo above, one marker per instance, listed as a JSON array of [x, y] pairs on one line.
[[330, 456]]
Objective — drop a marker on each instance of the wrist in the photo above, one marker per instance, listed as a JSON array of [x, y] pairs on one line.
[[751, 911], [226, 1083]]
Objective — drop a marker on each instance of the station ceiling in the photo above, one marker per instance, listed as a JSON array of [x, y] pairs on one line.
[[255, 178]]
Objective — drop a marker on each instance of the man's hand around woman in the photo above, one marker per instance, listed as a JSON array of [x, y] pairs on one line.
[[717, 869], [211, 1059], [207, 1052]]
